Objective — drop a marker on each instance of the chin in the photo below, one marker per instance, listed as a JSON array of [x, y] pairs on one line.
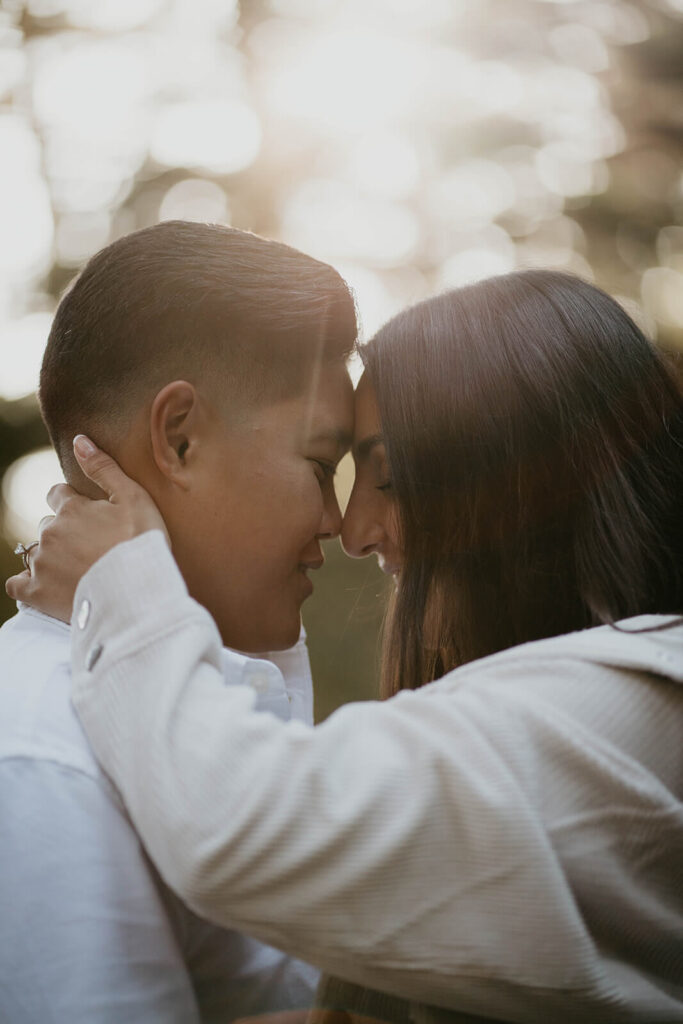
[[279, 638], [285, 638]]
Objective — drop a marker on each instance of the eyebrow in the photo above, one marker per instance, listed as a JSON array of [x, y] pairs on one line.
[[364, 447], [341, 438]]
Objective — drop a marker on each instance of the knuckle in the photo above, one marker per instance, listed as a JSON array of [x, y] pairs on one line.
[[57, 492], [98, 464], [47, 540]]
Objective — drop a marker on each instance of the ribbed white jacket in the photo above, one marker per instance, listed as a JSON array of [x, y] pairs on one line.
[[507, 841]]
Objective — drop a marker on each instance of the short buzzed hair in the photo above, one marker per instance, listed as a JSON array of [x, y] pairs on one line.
[[243, 316]]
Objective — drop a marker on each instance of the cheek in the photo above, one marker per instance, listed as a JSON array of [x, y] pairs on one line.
[[296, 513], [312, 504]]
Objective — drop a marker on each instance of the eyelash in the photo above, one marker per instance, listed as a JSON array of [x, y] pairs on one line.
[[385, 487], [328, 469]]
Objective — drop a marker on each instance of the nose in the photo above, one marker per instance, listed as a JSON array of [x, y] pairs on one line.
[[332, 518], [362, 531]]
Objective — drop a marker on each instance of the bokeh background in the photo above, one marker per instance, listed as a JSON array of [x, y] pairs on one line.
[[415, 144]]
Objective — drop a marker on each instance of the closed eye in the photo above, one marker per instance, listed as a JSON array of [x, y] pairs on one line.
[[324, 470]]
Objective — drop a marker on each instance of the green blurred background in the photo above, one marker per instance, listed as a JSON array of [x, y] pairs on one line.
[[415, 144]]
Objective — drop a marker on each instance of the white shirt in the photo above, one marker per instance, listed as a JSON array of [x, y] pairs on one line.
[[506, 842], [88, 931]]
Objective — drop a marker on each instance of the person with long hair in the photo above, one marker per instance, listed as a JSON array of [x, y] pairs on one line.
[[531, 450], [507, 842]]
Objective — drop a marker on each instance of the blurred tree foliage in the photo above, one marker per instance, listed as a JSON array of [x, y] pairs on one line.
[[629, 226]]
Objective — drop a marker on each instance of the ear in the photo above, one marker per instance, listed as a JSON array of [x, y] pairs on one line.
[[175, 424]]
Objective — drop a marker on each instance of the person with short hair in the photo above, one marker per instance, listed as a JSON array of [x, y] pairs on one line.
[[190, 351], [506, 842]]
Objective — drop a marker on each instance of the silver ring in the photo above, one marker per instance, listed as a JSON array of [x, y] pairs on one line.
[[24, 551]]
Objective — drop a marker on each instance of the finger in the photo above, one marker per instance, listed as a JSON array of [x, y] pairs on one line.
[[18, 587], [45, 521], [31, 550], [59, 494], [100, 467]]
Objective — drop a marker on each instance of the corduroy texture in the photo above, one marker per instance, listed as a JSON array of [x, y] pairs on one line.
[[506, 842]]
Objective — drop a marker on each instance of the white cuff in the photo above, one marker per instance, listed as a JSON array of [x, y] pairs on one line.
[[126, 598], [134, 594]]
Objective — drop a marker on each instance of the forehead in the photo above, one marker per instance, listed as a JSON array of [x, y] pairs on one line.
[[321, 414], [366, 418], [329, 407]]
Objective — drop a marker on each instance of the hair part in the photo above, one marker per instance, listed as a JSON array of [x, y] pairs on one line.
[[243, 318], [533, 436]]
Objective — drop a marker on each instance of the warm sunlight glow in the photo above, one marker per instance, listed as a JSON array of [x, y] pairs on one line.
[[223, 136], [24, 487], [332, 220], [22, 343], [195, 199]]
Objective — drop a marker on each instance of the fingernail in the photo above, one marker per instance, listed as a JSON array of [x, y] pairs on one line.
[[83, 446]]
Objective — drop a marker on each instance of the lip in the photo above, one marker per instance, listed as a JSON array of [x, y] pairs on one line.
[[303, 570], [316, 564]]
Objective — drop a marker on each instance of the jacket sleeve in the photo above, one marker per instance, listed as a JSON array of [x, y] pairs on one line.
[[390, 845]]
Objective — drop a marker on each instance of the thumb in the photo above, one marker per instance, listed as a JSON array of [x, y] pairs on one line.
[[101, 468]]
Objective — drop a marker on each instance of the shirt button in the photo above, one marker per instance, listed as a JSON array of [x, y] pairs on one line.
[[259, 682], [93, 657], [83, 614]]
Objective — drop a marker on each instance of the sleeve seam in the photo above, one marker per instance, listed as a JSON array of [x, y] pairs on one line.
[[101, 782], [46, 759]]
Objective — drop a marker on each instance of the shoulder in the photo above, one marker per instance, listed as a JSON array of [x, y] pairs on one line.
[[37, 720], [638, 645], [607, 699]]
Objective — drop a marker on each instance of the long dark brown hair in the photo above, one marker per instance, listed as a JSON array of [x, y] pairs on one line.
[[534, 438]]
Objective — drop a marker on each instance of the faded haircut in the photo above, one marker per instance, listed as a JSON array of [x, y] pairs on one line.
[[242, 317]]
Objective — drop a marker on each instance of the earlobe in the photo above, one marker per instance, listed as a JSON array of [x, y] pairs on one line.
[[174, 423]]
